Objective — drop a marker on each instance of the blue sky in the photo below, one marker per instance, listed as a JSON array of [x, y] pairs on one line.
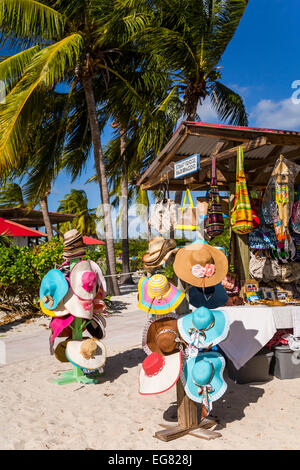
[[261, 63]]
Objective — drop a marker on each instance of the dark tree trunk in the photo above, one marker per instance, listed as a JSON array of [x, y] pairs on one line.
[[112, 281], [47, 221], [126, 277]]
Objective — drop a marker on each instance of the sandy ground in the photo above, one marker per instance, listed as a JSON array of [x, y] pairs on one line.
[[36, 413]]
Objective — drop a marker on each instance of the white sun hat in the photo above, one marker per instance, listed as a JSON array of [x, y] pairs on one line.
[[84, 280], [159, 373], [77, 307], [75, 351]]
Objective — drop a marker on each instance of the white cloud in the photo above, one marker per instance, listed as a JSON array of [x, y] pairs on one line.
[[284, 114]]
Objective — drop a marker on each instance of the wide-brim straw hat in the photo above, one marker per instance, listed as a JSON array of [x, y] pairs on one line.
[[200, 253], [156, 256], [214, 324], [160, 335], [78, 308], [96, 327], [76, 358], [59, 311], [72, 236], [205, 368], [58, 325], [158, 296], [54, 287], [159, 373], [60, 351], [77, 278]]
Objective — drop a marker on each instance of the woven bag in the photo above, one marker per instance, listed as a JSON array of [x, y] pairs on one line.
[[241, 215], [214, 220], [187, 218]]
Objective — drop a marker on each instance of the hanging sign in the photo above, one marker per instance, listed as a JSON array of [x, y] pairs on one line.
[[187, 166]]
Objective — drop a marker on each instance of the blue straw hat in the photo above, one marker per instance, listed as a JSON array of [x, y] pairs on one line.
[[54, 287], [204, 327], [204, 373]]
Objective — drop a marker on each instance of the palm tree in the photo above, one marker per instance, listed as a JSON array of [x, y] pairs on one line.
[[76, 202], [191, 37], [11, 196], [67, 41]]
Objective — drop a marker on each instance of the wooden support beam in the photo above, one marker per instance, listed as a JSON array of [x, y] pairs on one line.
[[259, 164], [230, 153]]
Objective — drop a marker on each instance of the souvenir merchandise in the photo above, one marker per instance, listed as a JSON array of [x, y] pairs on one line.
[[73, 245], [214, 220], [54, 287], [201, 265], [159, 373], [241, 215], [163, 216], [87, 353], [202, 378], [161, 335], [203, 328], [187, 218], [210, 297], [159, 251], [156, 295]]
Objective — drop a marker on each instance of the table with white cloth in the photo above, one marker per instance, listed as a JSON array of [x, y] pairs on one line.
[[252, 326]]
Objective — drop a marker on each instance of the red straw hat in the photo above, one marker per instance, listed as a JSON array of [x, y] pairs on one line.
[[159, 373]]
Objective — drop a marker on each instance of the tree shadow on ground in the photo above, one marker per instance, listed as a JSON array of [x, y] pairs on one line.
[[118, 364]]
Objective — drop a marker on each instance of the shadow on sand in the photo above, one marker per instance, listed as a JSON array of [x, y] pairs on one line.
[[230, 407], [118, 364]]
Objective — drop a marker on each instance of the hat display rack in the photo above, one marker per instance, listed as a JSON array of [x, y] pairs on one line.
[[179, 343], [74, 299]]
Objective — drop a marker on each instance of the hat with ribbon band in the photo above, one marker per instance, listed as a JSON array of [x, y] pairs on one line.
[[161, 335], [202, 378], [204, 327], [54, 287], [158, 296]]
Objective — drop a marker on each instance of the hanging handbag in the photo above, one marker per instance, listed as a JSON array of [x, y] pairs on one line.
[[214, 220], [187, 214], [241, 216], [163, 216]]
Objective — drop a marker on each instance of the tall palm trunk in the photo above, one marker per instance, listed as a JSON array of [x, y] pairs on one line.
[[126, 277], [100, 169], [47, 221]]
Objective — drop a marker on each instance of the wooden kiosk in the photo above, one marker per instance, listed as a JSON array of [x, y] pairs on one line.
[[261, 149]]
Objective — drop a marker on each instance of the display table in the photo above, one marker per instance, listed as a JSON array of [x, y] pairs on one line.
[[252, 326]]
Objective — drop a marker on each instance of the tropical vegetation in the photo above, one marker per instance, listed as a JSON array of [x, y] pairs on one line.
[[138, 64]]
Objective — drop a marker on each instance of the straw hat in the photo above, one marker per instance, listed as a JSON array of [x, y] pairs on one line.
[[161, 335], [84, 279], [58, 325], [77, 307], [59, 311], [159, 373], [159, 251], [204, 327], [72, 236], [87, 353], [96, 327], [158, 296], [201, 265], [60, 351], [54, 287], [202, 378]]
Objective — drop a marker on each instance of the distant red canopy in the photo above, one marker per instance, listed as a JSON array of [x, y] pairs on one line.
[[12, 229], [92, 241]]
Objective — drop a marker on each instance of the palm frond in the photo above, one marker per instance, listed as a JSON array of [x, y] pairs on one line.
[[228, 104], [47, 68], [28, 21]]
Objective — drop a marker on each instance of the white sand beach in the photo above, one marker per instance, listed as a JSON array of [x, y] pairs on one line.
[[36, 413]]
